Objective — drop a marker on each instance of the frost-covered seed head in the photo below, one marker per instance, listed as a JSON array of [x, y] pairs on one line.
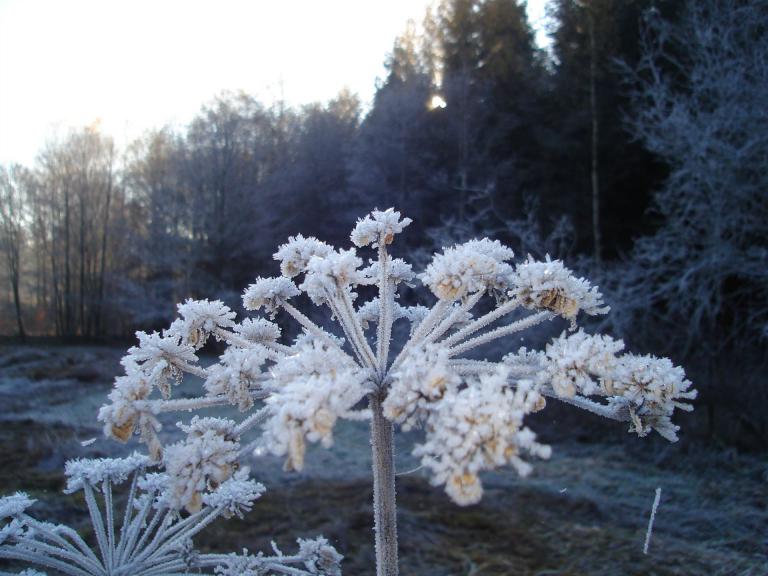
[[199, 318], [237, 374], [317, 386], [269, 293], [258, 330], [551, 286], [575, 359], [467, 268], [236, 495], [295, 254], [331, 273], [480, 428], [399, 272], [14, 505], [159, 357], [320, 557], [202, 462], [654, 387], [378, 227], [121, 416], [423, 378]]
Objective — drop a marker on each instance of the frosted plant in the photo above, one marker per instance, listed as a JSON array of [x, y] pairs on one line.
[[471, 410], [154, 538]]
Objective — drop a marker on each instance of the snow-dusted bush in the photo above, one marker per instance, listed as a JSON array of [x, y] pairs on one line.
[[472, 411]]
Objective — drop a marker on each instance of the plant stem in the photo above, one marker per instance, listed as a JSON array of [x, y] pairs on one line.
[[384, 506]]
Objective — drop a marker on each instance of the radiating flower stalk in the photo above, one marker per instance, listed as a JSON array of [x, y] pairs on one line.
[[472, 410], [154, 539]]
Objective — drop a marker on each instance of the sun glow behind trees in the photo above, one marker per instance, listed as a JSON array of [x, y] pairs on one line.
[[139, 65]]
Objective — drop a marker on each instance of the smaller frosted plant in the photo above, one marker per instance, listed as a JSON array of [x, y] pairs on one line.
[[472, 409], [154, 538]]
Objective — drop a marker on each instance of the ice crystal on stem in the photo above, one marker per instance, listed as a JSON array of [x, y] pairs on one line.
[[472, 412]]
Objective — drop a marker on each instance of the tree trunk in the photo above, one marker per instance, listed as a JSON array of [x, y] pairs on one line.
[[99, 328], [596, 232], [384, 505], [16, 298]]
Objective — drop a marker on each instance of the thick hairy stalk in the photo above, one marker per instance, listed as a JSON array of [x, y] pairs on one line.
[[384, 505]]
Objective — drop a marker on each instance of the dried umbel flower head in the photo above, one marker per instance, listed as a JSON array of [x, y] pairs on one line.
[[237, 376], [269, 293], [551, 286], [202, 462], [378, 228], [295, 254], [199, 319], [473, 411], [572, 360], [258, 330], [424, 377], [653, 388], [480, 427], [467, 268]]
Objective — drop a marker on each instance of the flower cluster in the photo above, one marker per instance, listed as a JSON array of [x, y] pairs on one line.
[[269, 293], [550, 285], [328, 276], [258, 330], [572, 361], [199, 319], [424, 377], [480, 427], [202, 462], [653, 388], [316, 387], [475, 266], [161, 358], [378, 227], [237, 376], [295, 254], [114, 470], [581, 365]]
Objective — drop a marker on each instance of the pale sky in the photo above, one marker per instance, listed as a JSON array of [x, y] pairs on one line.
[[138, 64]]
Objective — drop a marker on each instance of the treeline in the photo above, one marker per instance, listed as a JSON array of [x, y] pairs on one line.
[[635, 148], [473, 128]]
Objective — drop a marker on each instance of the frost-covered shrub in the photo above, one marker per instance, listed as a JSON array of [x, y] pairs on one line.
[[472, 411]]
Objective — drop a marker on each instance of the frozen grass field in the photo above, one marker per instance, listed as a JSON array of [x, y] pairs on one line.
[[583, 512]]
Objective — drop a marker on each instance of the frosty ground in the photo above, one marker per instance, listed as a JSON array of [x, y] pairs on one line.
[[583, 512]]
